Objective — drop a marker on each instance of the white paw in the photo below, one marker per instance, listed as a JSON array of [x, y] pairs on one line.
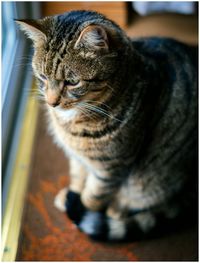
[[117, 229], [60, 199]]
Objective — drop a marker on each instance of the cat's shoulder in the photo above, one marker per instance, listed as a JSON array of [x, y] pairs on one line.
[[161, 43], [164, 47]]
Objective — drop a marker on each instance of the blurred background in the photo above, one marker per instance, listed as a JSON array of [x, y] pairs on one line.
[[33, 169]]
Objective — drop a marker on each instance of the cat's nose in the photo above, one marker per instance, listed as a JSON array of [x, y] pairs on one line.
[[52, 98]]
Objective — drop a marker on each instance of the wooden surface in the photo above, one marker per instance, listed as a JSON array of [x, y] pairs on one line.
[[113, 10]]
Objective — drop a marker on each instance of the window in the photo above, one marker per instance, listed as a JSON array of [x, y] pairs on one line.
[[16, 83], [16, 78]]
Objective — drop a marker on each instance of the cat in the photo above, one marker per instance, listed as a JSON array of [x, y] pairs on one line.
[[125, 113]]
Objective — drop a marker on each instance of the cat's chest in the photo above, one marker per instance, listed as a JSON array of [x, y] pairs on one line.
[[71, 138]]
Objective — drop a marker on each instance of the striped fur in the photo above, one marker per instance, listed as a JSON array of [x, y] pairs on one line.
[[125, 113]]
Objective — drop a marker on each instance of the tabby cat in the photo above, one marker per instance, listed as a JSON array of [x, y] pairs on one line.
[[125, 113]]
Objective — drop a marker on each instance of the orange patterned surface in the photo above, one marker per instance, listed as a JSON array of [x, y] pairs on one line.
[[47, 234]]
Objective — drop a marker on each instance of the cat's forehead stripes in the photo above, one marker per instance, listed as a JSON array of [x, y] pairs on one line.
[[53, 62], [67, 25], [60, 50], [64, 28]]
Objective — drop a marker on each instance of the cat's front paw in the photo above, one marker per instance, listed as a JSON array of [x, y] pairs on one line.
[[96, 224], [74, 207], [90, 222], [60, 200], [91, 202], [69, 202]]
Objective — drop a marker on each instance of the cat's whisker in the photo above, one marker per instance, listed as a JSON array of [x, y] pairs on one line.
[[24, 65], [24, 61], [100, 111], [39, 98], [108, 86], [41, 91], [100, 103], [97, 109], [86, 112], [35, 93]]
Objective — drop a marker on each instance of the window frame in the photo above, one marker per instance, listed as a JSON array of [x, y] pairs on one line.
[[19, 116], [16, 83]]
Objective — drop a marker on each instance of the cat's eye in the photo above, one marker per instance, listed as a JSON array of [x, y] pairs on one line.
[[76, 92], [71, 82]]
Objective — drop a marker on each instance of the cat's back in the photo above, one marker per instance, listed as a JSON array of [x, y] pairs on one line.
[[171, 59], [171, 68], [171, 71], [159, 48]]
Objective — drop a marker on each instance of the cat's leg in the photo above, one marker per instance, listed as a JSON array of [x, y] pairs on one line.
[[77, 179], [92, 223], [128, 223], [87, 210], [118, 226], [69, 200], [136, 211], [127, 206], [117, 221], [75, 208], [78, 175], [134, 205], [98, 191], [60, 199], [120, 221]]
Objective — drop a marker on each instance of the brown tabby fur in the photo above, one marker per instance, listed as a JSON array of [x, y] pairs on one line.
[[115, 121]]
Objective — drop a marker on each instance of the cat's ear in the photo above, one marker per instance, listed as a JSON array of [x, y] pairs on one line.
[[93, 37], [33, 29]]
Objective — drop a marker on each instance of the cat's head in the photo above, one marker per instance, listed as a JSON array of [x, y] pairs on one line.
[[77, 56]]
